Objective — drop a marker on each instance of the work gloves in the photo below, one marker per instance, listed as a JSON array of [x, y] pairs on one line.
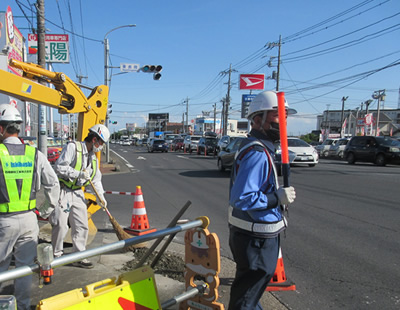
[[104, 204], [286, 195], [84, 175], [44, 210]]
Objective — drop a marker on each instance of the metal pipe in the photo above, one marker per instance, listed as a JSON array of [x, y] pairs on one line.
[[77, 256], [199, 289]]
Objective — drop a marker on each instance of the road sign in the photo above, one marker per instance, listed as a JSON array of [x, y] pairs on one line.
[[124, 67], [252, 81], [246, 99]]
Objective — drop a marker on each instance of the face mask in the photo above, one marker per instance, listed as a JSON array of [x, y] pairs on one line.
[[97, 149]]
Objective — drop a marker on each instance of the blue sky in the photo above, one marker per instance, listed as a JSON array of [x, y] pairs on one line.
[[330, 49]]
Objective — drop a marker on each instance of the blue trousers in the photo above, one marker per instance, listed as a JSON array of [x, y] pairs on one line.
[[256, 260]]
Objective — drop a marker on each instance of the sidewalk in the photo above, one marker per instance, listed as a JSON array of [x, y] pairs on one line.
[[109, 265]]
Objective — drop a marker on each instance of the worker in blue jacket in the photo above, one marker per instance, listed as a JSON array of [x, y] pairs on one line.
[[256, 205]]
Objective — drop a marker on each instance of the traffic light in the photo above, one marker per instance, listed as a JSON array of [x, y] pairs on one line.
[[109, 111], [114, 122], [155, 69]]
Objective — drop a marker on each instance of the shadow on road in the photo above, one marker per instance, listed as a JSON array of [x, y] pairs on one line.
[[206, 174]]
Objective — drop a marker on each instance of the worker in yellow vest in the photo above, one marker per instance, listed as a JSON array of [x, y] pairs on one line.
[[22, 170], [77, 165]]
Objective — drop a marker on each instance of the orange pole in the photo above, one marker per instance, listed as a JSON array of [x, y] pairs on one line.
[[283, 137]]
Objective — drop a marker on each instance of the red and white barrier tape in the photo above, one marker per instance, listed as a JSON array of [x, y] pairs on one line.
[[120, 193]]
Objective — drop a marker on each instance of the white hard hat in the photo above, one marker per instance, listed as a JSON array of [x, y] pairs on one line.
[[102, 131], [266, 101], [8, 113]]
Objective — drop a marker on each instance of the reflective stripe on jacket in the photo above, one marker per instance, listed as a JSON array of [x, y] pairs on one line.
[[77, 165], [18, 164], [251, 180]]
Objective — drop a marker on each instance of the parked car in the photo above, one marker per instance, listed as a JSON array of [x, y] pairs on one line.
[[158, 145], [323, 148], [53, 147], [224, 141], [305, 153], [378, 150], [190, 143], [207, 145], [177, 144], [226, 156], [337, 150]]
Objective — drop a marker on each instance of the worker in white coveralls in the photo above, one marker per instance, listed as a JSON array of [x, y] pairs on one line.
[[23, 170], [77, 165]]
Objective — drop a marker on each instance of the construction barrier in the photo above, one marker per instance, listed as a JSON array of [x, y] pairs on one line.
[[279, 281], [132, 290]]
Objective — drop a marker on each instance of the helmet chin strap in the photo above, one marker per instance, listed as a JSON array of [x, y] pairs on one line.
[[264, 118]]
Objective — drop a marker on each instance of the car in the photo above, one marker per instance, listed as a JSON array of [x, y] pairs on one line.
[[224, 141], [144, 142], [169, 138], [226, 156], [125, 142], [177, 144], [158, 145], [53, 147], [323, 148], [305, 153], [337, 150], [207, 145], [190, 143], [377, 150]]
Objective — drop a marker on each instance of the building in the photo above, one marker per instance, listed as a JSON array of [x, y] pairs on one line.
[[356, 123]]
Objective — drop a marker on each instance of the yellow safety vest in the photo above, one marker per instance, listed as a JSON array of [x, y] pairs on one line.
[[14, 168], [78, 166]]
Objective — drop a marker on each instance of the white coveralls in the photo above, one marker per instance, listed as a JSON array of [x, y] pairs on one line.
[[72, 202], [19, 231]]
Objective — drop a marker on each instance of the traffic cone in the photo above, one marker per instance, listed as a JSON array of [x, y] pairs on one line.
[[279, 282], [140, 223]]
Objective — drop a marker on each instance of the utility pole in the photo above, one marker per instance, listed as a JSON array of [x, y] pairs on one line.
[[276, 76], [227, 99], [326, 121], [187, 114], [342, 117], [279, 63], [42, 139], [380, 95], [215, 117], [223, 117]]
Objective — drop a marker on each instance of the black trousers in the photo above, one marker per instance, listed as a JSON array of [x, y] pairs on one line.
[[256, 260]]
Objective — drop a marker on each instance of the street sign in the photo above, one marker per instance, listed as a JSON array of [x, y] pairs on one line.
[[246, 99], [56, 46], [252, 81], [124, 67]]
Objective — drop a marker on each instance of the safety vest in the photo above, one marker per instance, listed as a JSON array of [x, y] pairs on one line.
[[17, 178], [240, 218], [77, 165]]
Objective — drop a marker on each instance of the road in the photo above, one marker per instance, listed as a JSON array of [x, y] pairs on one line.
[[342, 246]]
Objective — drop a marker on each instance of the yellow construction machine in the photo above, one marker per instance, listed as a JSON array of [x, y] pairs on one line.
[[66, 97]]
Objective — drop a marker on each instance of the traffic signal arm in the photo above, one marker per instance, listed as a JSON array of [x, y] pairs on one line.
[[67, 97]]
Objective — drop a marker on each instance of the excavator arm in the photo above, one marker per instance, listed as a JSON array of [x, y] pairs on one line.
[[66, 96]]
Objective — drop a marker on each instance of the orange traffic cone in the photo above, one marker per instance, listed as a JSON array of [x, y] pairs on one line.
[[279, 282], [140, 223]]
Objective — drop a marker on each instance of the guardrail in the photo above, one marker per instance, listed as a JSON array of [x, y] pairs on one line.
[[77, 256]]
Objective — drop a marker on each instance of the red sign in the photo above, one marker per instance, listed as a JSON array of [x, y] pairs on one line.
[[252, 81]]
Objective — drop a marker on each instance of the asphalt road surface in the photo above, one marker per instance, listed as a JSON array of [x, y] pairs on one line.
[[342, 247]]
